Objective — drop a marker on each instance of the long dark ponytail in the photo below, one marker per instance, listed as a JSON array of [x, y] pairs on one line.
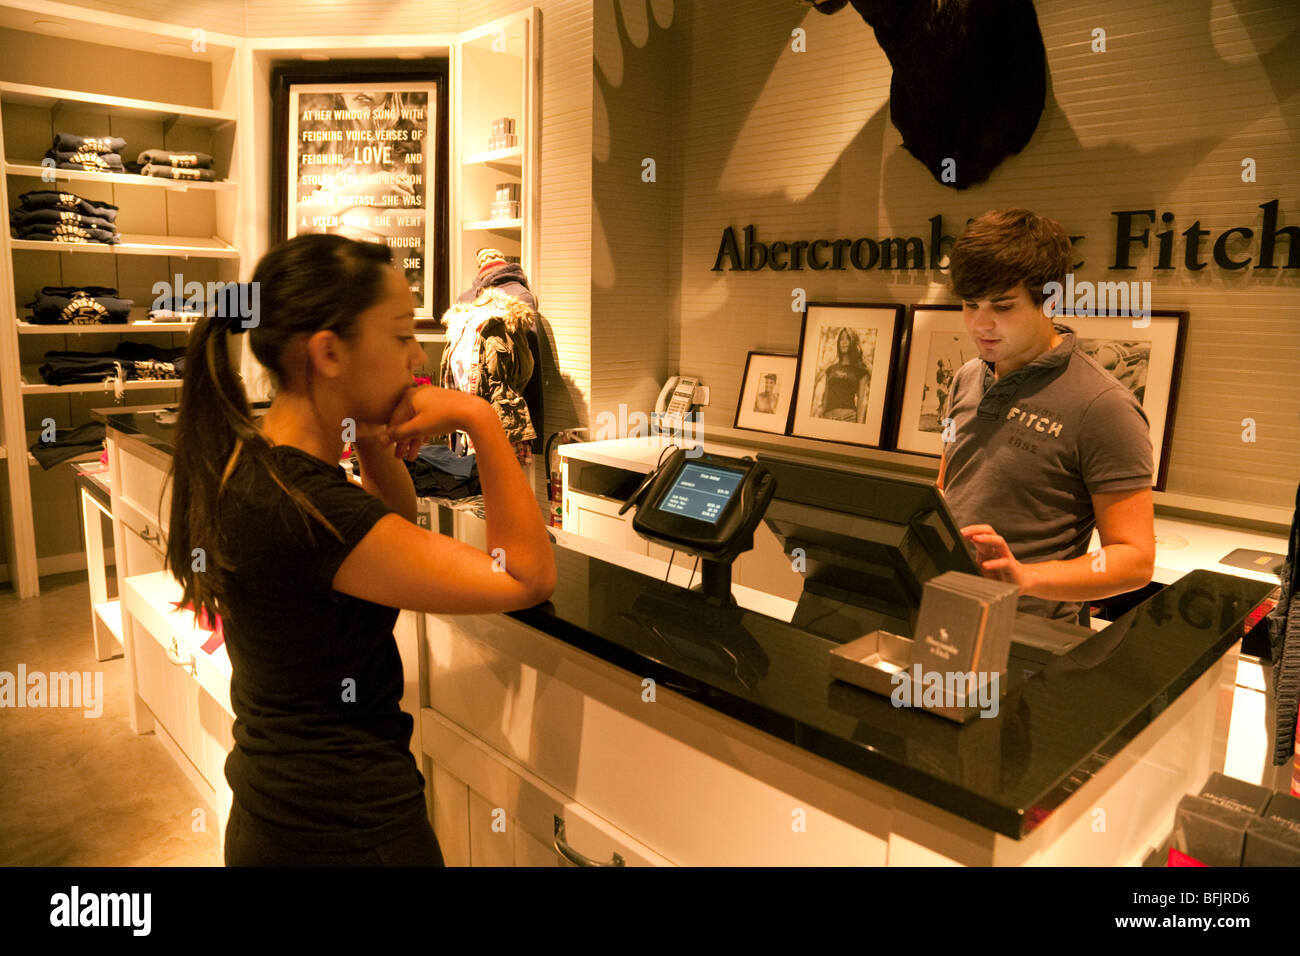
[[309, 284]]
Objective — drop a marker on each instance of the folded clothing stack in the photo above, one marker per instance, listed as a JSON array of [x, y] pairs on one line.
[[130, 361], [168, 164], [438, 472], [168, 308], [96, 154], [79, 305], [68, 443], [51, 216]]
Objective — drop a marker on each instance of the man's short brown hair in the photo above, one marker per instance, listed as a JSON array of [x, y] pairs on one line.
[[1005, 247]]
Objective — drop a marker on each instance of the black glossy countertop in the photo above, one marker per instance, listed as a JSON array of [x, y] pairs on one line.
[[1061, 719], [140, 422], [1053, 730]]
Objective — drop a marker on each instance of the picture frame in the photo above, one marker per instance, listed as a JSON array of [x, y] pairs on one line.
[[849, 350], [767, 392], [395, 192], [1149, 361], [935, 345]]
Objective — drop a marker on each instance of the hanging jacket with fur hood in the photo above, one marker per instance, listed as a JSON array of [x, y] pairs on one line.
[[497, 362]]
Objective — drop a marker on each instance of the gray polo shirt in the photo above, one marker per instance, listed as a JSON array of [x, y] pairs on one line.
[[1031, 448]]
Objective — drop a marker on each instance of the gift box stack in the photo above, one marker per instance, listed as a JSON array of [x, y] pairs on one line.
[[51, 216], [172, 164], [506, 205], [94, 154], [1235, 823], [503, 134]]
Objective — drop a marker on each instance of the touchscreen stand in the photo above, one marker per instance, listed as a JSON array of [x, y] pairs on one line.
[[715, 579], [707, 506]]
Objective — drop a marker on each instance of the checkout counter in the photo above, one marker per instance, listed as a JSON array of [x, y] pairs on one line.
[[630, 720]]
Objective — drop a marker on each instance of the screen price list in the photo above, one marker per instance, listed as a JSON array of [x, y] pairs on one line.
[[701, 493]]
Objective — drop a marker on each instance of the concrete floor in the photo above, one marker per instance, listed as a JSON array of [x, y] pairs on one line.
[[78, 790]]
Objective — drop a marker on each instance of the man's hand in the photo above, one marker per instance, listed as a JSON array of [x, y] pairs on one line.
[[994, 557]]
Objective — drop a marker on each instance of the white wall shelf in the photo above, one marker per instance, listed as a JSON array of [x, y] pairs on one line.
[[132, 328], [494, 225], [133, 386], [185, 247], [512, 158], [168, 113], [35, 170]]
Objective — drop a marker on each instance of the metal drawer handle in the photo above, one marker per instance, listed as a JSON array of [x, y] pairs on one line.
[[173, 655], [572, 855], [146, 536]]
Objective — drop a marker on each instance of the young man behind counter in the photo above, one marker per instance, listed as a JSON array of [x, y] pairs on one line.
[[1045, 443]]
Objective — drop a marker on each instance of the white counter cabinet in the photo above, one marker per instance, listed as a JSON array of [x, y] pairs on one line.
[[519, 728]]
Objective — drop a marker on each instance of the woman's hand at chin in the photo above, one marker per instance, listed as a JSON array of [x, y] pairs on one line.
[[426, 412]]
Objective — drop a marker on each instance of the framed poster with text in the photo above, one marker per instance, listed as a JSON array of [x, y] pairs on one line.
[[363, 160]]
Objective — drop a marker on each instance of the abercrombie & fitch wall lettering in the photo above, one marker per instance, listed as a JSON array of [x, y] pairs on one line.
[[1134, 232]]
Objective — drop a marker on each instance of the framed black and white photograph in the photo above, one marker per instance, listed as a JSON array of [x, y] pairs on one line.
[[767, 392], [936, 345], [846, 362], [362, 155], [1147, 360]]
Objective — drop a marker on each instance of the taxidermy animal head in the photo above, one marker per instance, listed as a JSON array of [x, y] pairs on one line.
[[969, 83]]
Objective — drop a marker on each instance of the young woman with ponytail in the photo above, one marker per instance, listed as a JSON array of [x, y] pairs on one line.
[[307, 569]]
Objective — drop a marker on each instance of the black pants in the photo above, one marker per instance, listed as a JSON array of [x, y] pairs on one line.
[[252, 846]]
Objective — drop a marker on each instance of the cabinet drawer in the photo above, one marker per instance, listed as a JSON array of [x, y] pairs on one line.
[[507, 802], [695, 786], [142, 483], [598, 519], [142, 526], [450, 813], [167, 688]]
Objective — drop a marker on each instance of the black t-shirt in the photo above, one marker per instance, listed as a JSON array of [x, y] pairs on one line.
[[322, 749]]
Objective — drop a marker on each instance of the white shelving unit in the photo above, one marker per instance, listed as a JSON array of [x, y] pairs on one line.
[[167, 227], [494, 72]]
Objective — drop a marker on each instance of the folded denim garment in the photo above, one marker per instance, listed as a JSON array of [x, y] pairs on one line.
[[51, 199], [37, 229], [68, 443], [131, 361], [71, 142], [178, 305], [111, 162], [164, 157], [42, 237], [175, 172], [27, 217], [59, 305], [170, 315], [440, 473]]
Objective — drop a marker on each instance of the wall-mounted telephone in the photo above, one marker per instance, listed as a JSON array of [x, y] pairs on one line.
[[678, 396]]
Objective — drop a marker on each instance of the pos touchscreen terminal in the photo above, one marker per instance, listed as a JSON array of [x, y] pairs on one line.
[[705, 505]]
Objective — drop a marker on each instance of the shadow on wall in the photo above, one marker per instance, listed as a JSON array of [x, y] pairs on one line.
[[633, 202], [564, 402]]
